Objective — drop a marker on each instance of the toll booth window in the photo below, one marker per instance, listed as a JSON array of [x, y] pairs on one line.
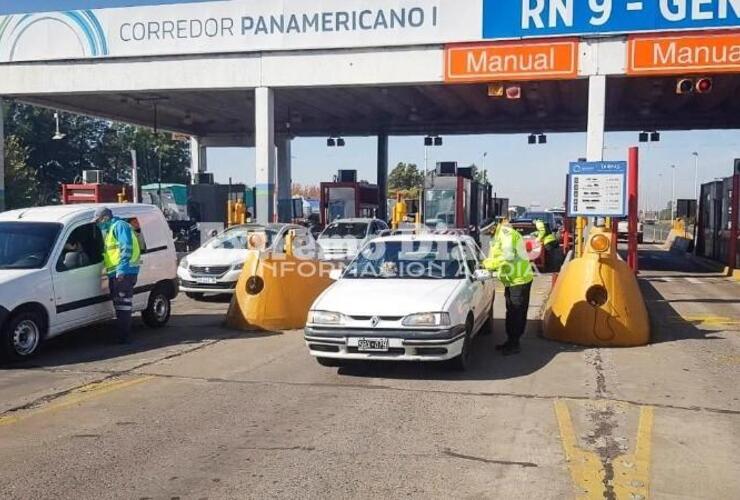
[[83, 248], [440, 207], [344, 230], [136, 226], [341, 203]]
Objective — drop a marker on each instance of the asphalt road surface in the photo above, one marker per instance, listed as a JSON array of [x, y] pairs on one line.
[[199, 411]]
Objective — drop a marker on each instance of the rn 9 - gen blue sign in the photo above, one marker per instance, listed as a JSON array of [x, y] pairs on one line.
[[535, 18]]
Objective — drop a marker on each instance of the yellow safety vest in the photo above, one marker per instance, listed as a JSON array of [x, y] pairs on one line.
[[112, 252], [509, 258]]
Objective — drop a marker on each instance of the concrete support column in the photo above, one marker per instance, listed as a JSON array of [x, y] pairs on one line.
[[2, 158], [596, 118], [382, 176], [264, 139], [198, 158], [284, 179]]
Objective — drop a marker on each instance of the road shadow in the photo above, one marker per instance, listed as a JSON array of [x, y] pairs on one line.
[[99, 342], [487, 363], [653, 259], [666, 324]]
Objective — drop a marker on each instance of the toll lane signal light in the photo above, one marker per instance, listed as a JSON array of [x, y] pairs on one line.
[[685, 86], [704, 85], [689, 86]]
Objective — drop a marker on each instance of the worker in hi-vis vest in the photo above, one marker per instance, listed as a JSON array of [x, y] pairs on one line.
[[509, 259], [121, 255], [553, 255]]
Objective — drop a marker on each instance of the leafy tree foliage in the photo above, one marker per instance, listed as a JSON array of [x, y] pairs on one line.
[[36, 165], [405, 177]]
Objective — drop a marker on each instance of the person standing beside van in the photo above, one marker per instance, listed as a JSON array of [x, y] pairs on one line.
[[121, 258]]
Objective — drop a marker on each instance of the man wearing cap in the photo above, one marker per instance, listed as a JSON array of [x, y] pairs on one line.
[[121, 256], [508, 257]]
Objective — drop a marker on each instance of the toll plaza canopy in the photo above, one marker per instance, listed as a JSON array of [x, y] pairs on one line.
[[257, 73]]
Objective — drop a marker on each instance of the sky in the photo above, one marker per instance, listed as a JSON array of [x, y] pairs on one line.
[[527, 175], [24, 6]]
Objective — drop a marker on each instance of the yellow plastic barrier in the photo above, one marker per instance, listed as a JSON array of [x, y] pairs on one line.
[[596, 300], [275, 292]]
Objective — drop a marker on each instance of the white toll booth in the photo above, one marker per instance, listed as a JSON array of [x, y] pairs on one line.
[[259, 73]]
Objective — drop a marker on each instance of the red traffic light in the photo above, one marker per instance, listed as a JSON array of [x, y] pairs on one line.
[[704, 85]]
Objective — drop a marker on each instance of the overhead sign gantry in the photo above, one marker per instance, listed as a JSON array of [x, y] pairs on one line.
[[240, 72]]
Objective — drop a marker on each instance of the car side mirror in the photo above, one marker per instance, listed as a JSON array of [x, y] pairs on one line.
[[482, 275], [335, 274]]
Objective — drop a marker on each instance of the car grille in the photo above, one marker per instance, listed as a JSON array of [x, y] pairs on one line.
[[382, 318], [229, 285], [209, 270]]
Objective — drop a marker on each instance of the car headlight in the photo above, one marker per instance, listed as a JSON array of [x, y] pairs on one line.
[[427, 319], [183, 263], [237, 266], [325, 318]]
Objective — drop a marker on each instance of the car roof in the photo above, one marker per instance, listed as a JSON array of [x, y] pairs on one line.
[[67, 213], [427, 237], [354, 220]]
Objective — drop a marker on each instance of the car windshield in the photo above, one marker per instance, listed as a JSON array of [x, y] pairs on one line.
[[344, 229], [408, 260], [543, 216], [237, 238], [26, 245]]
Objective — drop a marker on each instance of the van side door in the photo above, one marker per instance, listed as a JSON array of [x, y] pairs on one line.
[[81, 293]]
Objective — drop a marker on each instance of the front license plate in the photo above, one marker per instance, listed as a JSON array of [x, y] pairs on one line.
[[206, 281], [372, 345]]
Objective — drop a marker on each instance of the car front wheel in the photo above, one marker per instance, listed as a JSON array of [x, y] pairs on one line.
[[159, 309], [462, 362], [22, 336]]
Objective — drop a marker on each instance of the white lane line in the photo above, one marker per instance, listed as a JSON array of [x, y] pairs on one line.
[[694, 281]]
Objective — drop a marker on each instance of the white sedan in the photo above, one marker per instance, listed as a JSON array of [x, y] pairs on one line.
[[405, 298], [215, 267]]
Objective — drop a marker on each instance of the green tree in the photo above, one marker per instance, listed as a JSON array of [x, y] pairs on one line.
[[405, 177], [88, 144]]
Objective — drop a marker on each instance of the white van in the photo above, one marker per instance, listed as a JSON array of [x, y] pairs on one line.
[[52, 278]]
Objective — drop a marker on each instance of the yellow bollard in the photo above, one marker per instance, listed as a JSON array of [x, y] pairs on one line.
[[596, 300], [275, 292], [580, 225]]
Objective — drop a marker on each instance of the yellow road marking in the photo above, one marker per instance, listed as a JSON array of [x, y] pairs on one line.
[[631, 471], [585, 466], [77, 396], [713, 320]]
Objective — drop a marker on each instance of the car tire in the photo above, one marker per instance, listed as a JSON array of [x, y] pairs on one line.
[[22, 336], [329, 362], [194, 295], [487, 328], [462, 362], [159, 309]]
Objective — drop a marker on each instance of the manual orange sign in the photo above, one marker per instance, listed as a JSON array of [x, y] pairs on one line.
[[678, 55], [538, 60]]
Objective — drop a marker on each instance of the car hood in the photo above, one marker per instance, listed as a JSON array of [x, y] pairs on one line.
[[217, 256], [10, 275], [340, 243], [386, 297]]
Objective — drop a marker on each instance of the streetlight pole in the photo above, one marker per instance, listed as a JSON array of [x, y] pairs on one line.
[[673, 195], [660, 195], [696, 176], [485, 171]]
